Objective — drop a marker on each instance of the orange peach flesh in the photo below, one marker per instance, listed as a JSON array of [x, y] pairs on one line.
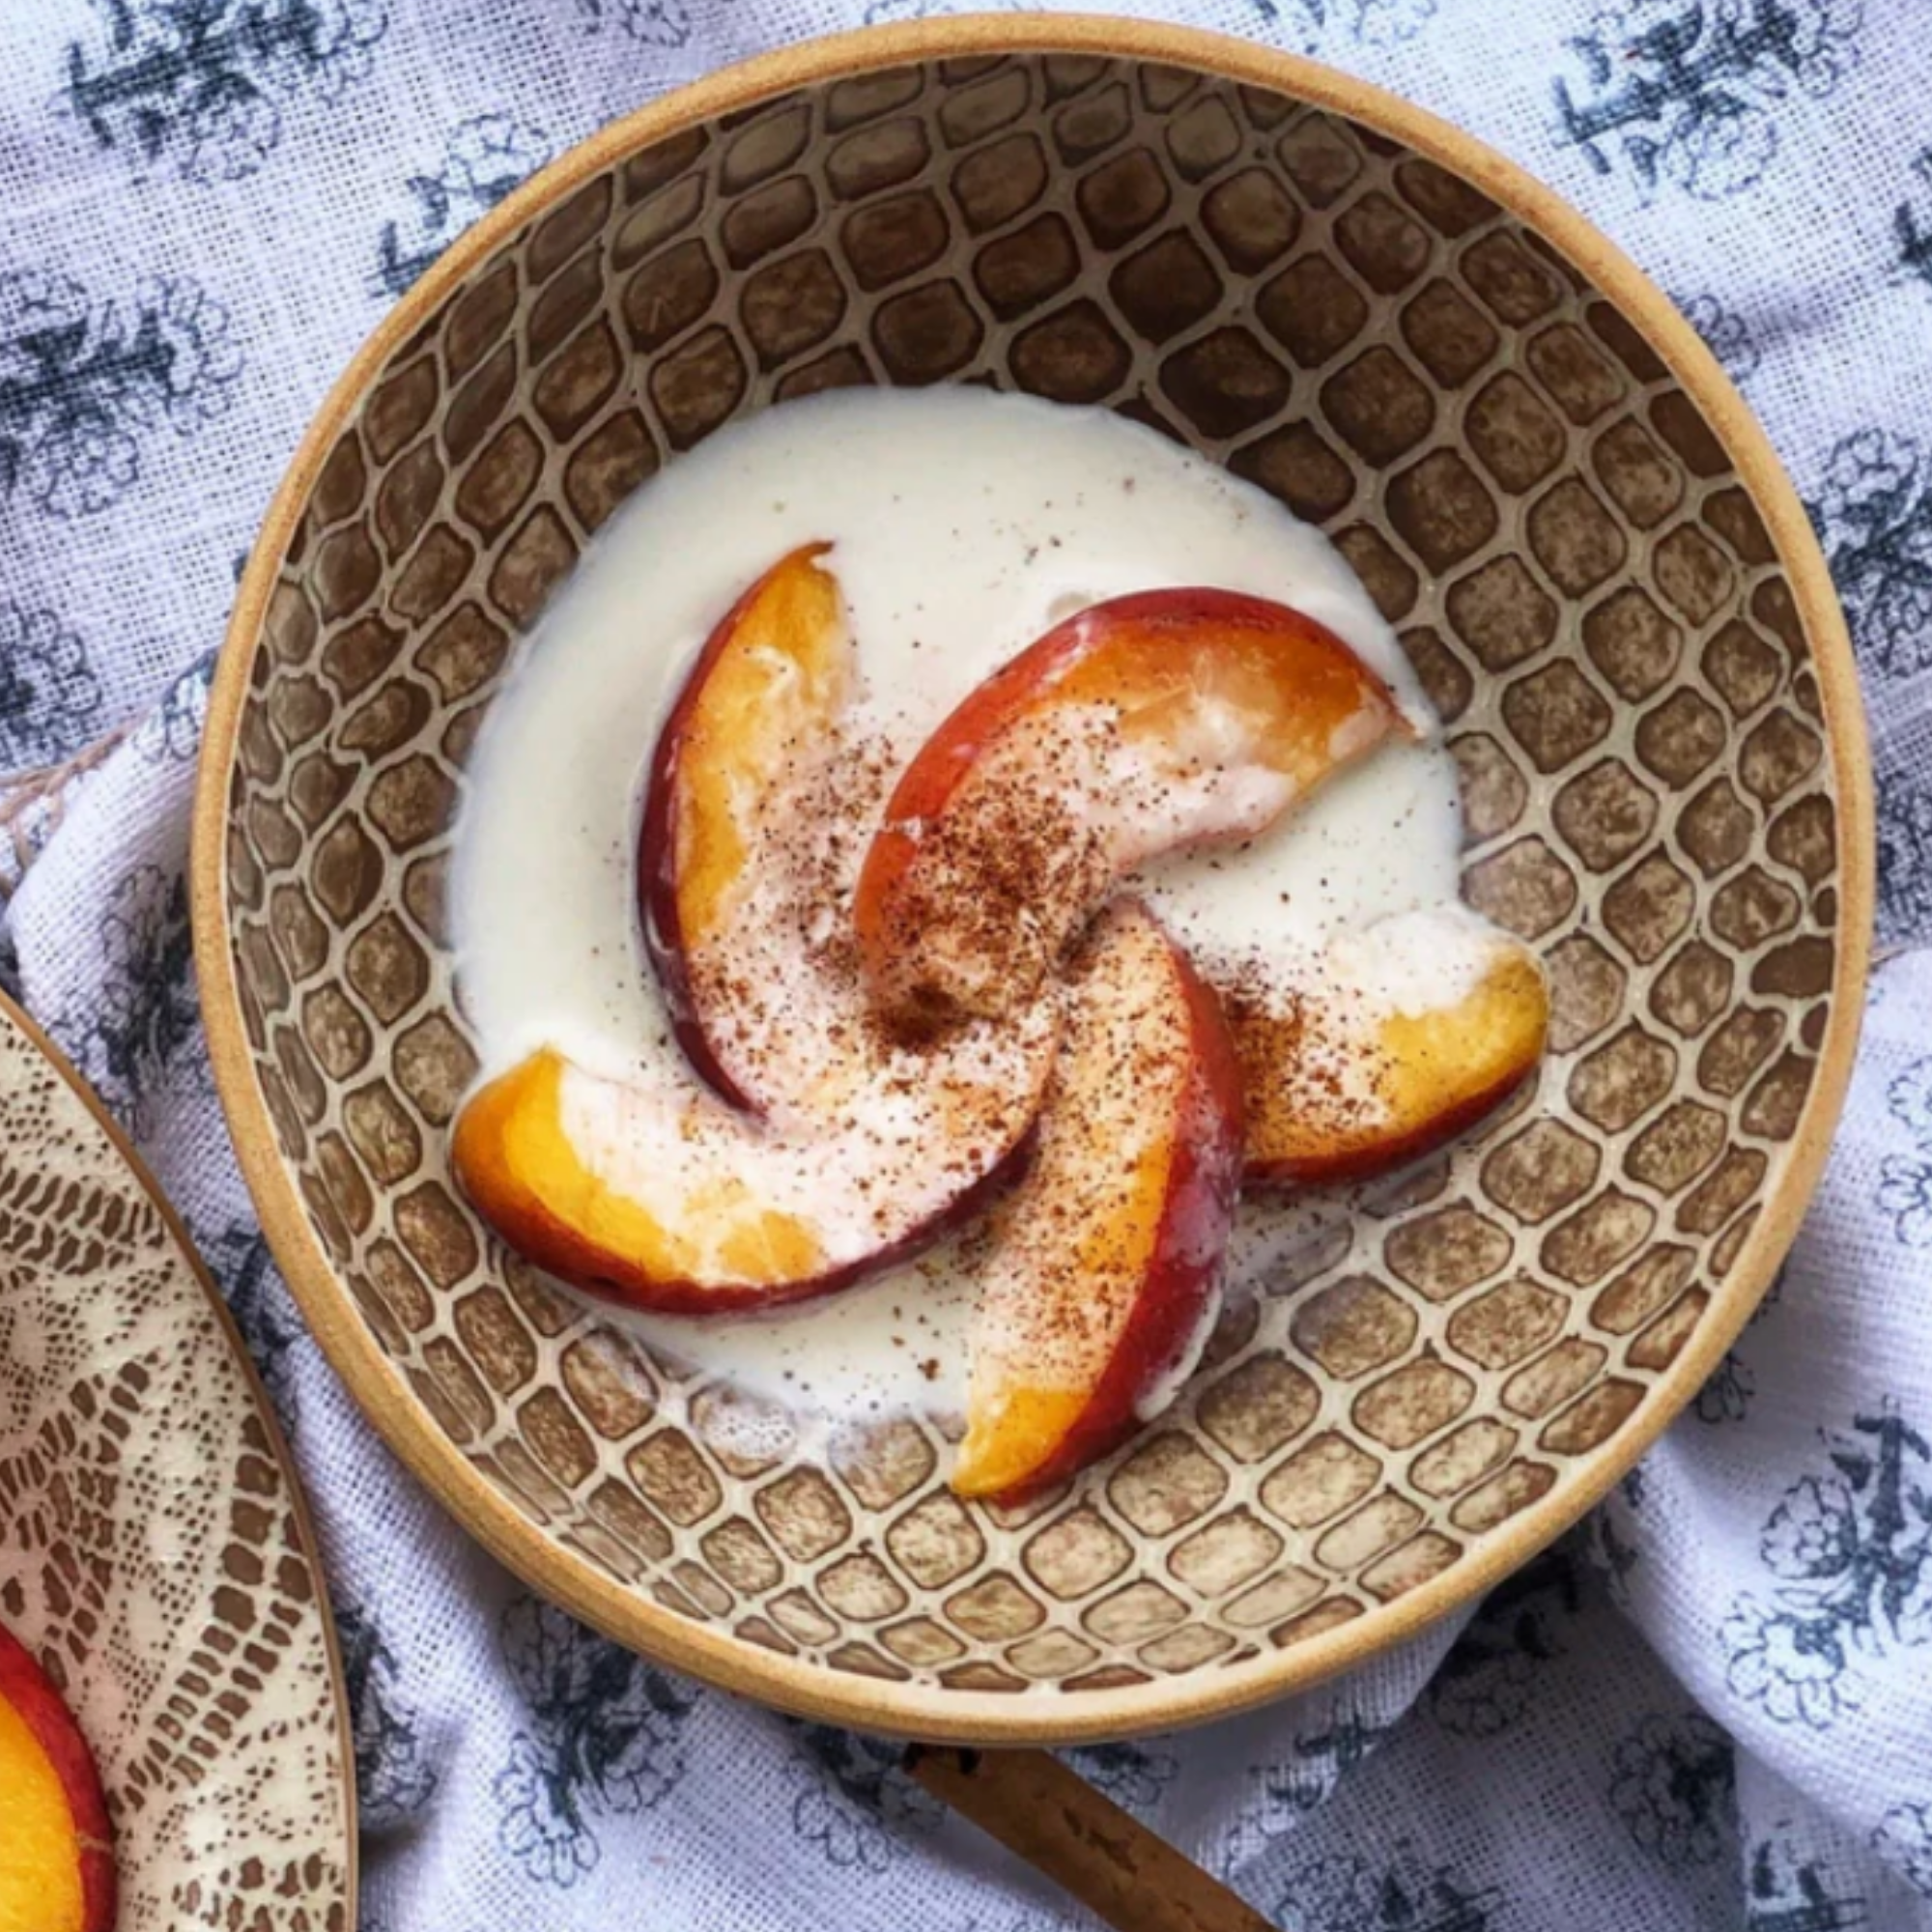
[[56, 1858], [1145, 725], [1331, 1096], [675, 1204], [515, 1155], [839, 1147], [1107, 1256], [766, 691]]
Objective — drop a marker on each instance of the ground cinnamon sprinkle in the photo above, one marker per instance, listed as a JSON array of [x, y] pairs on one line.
[[785, 1001], [1310, 1067], [1003, 878]]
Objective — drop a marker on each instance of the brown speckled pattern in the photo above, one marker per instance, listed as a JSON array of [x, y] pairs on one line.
[[1583, 584], [153, 1554]]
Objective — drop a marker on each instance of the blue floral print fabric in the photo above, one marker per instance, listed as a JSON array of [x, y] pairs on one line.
[[1710, 1705]]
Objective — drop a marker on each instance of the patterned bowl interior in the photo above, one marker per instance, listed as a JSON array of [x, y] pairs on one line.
[[153, 1552], [1581, 580]]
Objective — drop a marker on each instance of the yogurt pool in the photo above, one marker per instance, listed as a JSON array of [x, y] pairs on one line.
[[964, 524]]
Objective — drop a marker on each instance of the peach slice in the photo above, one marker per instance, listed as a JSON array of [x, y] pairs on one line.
[[1397, 1038], [763, 697], [1103, 1277], [1145, 725], [758, 805], [641, 1190], [837, 1148], [56, 1841]]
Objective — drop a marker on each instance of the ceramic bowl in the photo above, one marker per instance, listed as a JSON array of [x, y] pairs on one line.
[[1593, 562], [156, 1555]]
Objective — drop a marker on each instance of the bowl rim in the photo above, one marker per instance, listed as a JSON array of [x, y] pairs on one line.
[[910, 1708], [14, 1018]]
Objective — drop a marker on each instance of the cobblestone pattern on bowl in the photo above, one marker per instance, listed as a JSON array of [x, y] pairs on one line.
[[1583, 584]]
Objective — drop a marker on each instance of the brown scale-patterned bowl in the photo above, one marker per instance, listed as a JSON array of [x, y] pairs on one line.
[[1599, 572]]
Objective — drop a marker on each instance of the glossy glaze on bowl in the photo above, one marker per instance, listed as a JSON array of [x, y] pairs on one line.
[[1646, 688]]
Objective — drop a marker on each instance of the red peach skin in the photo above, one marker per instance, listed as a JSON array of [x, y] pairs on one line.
[[1105, 1270], [56, 1839], [1341, 1082], [1145, 724], [674, 1203], [767, 689]]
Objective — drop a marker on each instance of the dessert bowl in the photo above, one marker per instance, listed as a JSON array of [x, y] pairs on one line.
[[1594, 564], [158, 1565]]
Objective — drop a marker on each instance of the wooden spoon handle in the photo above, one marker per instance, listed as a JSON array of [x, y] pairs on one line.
[[1056, 1821]]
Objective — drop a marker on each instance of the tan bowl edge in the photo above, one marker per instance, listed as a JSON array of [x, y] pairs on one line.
[[983, 1716]]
